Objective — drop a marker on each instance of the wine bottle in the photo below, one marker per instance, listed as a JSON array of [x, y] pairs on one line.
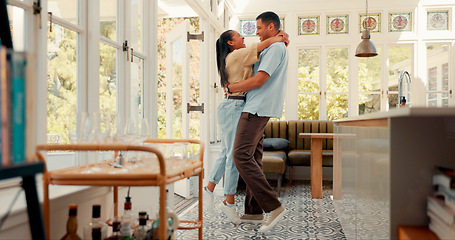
[[71, 224], [95, 223]]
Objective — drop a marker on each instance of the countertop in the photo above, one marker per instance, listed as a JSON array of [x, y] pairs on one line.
[[400, 112]]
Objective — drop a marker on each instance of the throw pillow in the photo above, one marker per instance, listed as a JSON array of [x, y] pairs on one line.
[[275, 144]]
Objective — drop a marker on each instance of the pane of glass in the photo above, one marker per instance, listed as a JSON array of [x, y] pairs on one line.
[[337, 106], [177, 88], [135, 39], [17, 27], [62, 80], [438, 74], [337, 70], [369, 103], [308, 70], [108, 19], [370, 73], [393, 99], [108, 82], [136, 88], [66, 9], [400, 59], [308, 107]]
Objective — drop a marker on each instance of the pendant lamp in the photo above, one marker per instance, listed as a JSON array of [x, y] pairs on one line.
[[366, 48]]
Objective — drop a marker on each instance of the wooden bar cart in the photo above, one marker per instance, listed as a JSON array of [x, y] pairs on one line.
[[169, 171]]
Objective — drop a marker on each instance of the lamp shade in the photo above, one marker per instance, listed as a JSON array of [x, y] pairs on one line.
[[366, 48]]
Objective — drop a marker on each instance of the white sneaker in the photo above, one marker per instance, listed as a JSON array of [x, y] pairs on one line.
[[231, 213], [208, 201], [272, 218]]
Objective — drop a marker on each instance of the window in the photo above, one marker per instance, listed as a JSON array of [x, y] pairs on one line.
[[400, 59], [370, 84], [308, 88], [438, 75], [337, 83], [63, 69]]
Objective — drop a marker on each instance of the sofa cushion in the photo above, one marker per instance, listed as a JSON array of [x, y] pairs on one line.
[[275, 144], [303, 158], [274, 162]]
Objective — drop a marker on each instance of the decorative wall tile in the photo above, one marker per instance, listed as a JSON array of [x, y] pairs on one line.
[[309, 25], [248, 27], [371, 22], [338, 24], [400, 22], [438, 20]]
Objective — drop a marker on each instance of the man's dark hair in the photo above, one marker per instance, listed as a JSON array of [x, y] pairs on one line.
[[270, 17]]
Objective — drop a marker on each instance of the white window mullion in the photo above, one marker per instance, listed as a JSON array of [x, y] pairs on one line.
[[82, 55], [93, 55], [385, 79], [353, 81], [122, 99], [323, 84]]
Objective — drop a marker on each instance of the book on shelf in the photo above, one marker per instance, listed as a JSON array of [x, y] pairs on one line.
[[13, 106], [444, 212], [444, 177], [448, 195], [5, 107], [439, 227]]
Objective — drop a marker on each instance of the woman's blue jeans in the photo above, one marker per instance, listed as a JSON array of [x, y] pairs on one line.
[[228, 114]]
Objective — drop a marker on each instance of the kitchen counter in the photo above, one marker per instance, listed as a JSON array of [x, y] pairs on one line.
[[387, 168]]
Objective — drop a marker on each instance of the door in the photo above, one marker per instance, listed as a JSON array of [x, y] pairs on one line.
[[177, 81], [182, 94]]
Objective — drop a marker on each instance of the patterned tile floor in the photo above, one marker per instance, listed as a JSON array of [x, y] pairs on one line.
[[307, 218]]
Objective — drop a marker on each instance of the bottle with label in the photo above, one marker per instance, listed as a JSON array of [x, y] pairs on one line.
[[172, 224], [115, 231], [127, 220], [95, 223], [71, 224], [141, 231]]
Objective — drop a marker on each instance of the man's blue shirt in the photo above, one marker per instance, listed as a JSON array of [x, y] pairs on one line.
[[268, 100]]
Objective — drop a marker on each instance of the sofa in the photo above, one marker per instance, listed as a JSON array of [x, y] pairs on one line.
[[298, 151]]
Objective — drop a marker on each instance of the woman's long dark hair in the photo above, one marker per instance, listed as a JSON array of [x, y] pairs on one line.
[[222, 50]]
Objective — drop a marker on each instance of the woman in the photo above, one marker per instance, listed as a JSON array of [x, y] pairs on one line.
[[234, 63]]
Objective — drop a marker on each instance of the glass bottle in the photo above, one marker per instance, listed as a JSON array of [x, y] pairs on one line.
[[95, 223], [141, 231], [115, 231], [71, 224], [96, 234], [172, 224], [127, 220]]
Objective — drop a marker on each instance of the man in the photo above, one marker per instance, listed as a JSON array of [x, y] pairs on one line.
[[265, 100]]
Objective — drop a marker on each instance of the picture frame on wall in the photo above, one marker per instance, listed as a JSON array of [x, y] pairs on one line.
[[338, 24], [248, 27], [309, 25], [400, 22], [438, 20], [370, 21]]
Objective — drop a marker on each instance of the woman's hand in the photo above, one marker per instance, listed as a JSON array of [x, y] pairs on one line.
[[284, 37]]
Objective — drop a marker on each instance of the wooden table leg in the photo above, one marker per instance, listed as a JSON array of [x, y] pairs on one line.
[[337, 169], [316, 167]]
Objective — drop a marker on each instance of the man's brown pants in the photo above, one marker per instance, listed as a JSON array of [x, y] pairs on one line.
[[260, 197]]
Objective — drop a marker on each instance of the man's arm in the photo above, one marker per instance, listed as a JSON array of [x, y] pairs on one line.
[[253, 82]]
